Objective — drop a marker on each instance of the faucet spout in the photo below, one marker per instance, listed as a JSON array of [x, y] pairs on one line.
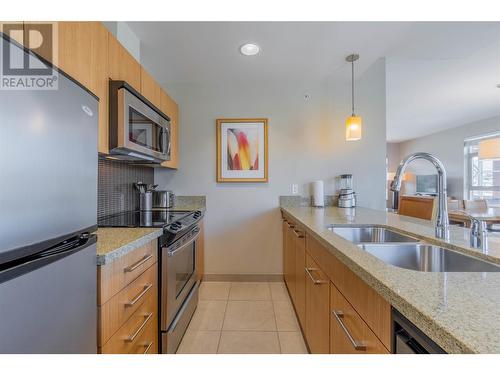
[[442, 221]]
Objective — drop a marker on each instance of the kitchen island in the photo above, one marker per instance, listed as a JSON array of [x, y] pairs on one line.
[[460, 311]]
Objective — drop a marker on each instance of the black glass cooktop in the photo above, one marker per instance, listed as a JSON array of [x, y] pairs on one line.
[[154, 219]]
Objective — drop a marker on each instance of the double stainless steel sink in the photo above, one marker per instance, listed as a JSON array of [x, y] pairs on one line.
[[408, 252]]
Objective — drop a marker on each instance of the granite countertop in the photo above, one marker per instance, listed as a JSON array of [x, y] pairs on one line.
[[112, 243], [460, 311]]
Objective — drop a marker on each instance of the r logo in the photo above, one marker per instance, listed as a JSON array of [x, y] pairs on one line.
[[36, 36]]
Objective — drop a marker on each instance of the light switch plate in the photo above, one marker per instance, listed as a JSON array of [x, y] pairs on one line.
[[295, 189]]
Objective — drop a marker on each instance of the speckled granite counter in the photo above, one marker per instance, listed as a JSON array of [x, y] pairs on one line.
[[459, 311], [112, 243]]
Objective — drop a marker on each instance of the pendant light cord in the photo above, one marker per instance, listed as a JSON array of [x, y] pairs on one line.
[[352, 86]]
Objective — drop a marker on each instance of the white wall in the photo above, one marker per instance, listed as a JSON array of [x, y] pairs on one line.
[[448, 146], [306, 143]]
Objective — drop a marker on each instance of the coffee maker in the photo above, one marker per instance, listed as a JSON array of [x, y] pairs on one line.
[[347, 196]]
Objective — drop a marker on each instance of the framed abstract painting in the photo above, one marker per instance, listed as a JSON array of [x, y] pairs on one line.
[[242, 150]]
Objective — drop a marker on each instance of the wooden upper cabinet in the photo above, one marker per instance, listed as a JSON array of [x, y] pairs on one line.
[[122, 65], [74, 50], [33, 39], [14, 29], [150, 89], [171, 109], [99, 80]]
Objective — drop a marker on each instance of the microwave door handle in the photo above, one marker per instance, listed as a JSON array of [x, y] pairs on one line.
[[160, 141], [168, 139]]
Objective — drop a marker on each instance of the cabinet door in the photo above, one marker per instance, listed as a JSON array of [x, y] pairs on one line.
[[317, 308], [122, 65], [349, 334], [74, 50], [300, 276], [170, 108], [285, 244], [33, 39], [14, 29], [290, 264], [99, 81], [149, 88]]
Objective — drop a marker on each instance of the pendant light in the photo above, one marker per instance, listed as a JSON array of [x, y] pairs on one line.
[[353, 123], [489, 149]]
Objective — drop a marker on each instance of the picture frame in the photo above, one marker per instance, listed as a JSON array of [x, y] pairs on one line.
[[242, 150]]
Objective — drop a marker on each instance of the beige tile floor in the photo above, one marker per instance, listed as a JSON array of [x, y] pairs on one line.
[[243, 318]]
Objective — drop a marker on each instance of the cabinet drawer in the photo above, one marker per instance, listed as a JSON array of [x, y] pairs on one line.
[[317, 307], [374, 310], [123, 304], [136, 332], [349, 334], [147, 342], [115, 276]]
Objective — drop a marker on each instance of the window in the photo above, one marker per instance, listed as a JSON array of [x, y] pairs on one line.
[[482, 177]]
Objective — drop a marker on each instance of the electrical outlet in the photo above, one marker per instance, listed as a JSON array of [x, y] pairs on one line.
[[295, 189]]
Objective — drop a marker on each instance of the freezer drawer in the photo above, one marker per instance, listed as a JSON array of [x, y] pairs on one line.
[[52, 309]]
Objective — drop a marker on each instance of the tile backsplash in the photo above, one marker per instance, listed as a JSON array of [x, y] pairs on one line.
[[116, 191]]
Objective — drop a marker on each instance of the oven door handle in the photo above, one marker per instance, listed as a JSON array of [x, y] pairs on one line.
[[194, 238]]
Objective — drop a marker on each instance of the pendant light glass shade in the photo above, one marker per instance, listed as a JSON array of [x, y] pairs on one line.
[[353, 126], [489, 149]]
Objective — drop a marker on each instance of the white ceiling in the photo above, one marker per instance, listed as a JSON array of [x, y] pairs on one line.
[[442, 76], [439, 75]]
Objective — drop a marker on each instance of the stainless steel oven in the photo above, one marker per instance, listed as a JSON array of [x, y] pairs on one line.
[[138, 130], [179, 288]]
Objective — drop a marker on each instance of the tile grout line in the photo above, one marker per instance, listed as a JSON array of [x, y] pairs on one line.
[[275, 319], [223, 318]]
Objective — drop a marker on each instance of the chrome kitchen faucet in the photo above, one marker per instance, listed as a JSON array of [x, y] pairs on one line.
[[442, 221]]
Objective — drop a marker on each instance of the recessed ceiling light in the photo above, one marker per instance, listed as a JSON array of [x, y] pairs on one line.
[[249, 49]]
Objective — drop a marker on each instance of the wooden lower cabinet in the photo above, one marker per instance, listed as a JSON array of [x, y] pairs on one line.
[[128, 303], [300, 276], [320, 284], [374, 310], [349, 334], [317, 328], [139, 334], [289, 256]]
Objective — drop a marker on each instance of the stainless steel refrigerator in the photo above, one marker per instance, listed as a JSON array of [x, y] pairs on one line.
[[48, 210]]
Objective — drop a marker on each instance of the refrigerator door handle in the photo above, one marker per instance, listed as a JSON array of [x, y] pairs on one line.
[[22, 266]]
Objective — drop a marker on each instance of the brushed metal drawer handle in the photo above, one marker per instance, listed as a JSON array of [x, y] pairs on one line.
[[139, 296], [148, 346], [298, 234], [136, 265], [315, 281], [134, 335], [357, 345]]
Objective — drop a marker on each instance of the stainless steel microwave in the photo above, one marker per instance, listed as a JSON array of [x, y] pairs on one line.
[[138, 131]]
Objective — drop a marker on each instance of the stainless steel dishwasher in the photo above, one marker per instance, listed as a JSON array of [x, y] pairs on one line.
[[408, 339]]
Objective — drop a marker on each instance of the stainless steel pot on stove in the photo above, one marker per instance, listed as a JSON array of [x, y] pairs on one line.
[[163, 199]]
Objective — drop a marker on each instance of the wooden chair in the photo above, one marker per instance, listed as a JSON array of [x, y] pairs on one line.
[[455, 204], [477, 205], [416, 206]]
